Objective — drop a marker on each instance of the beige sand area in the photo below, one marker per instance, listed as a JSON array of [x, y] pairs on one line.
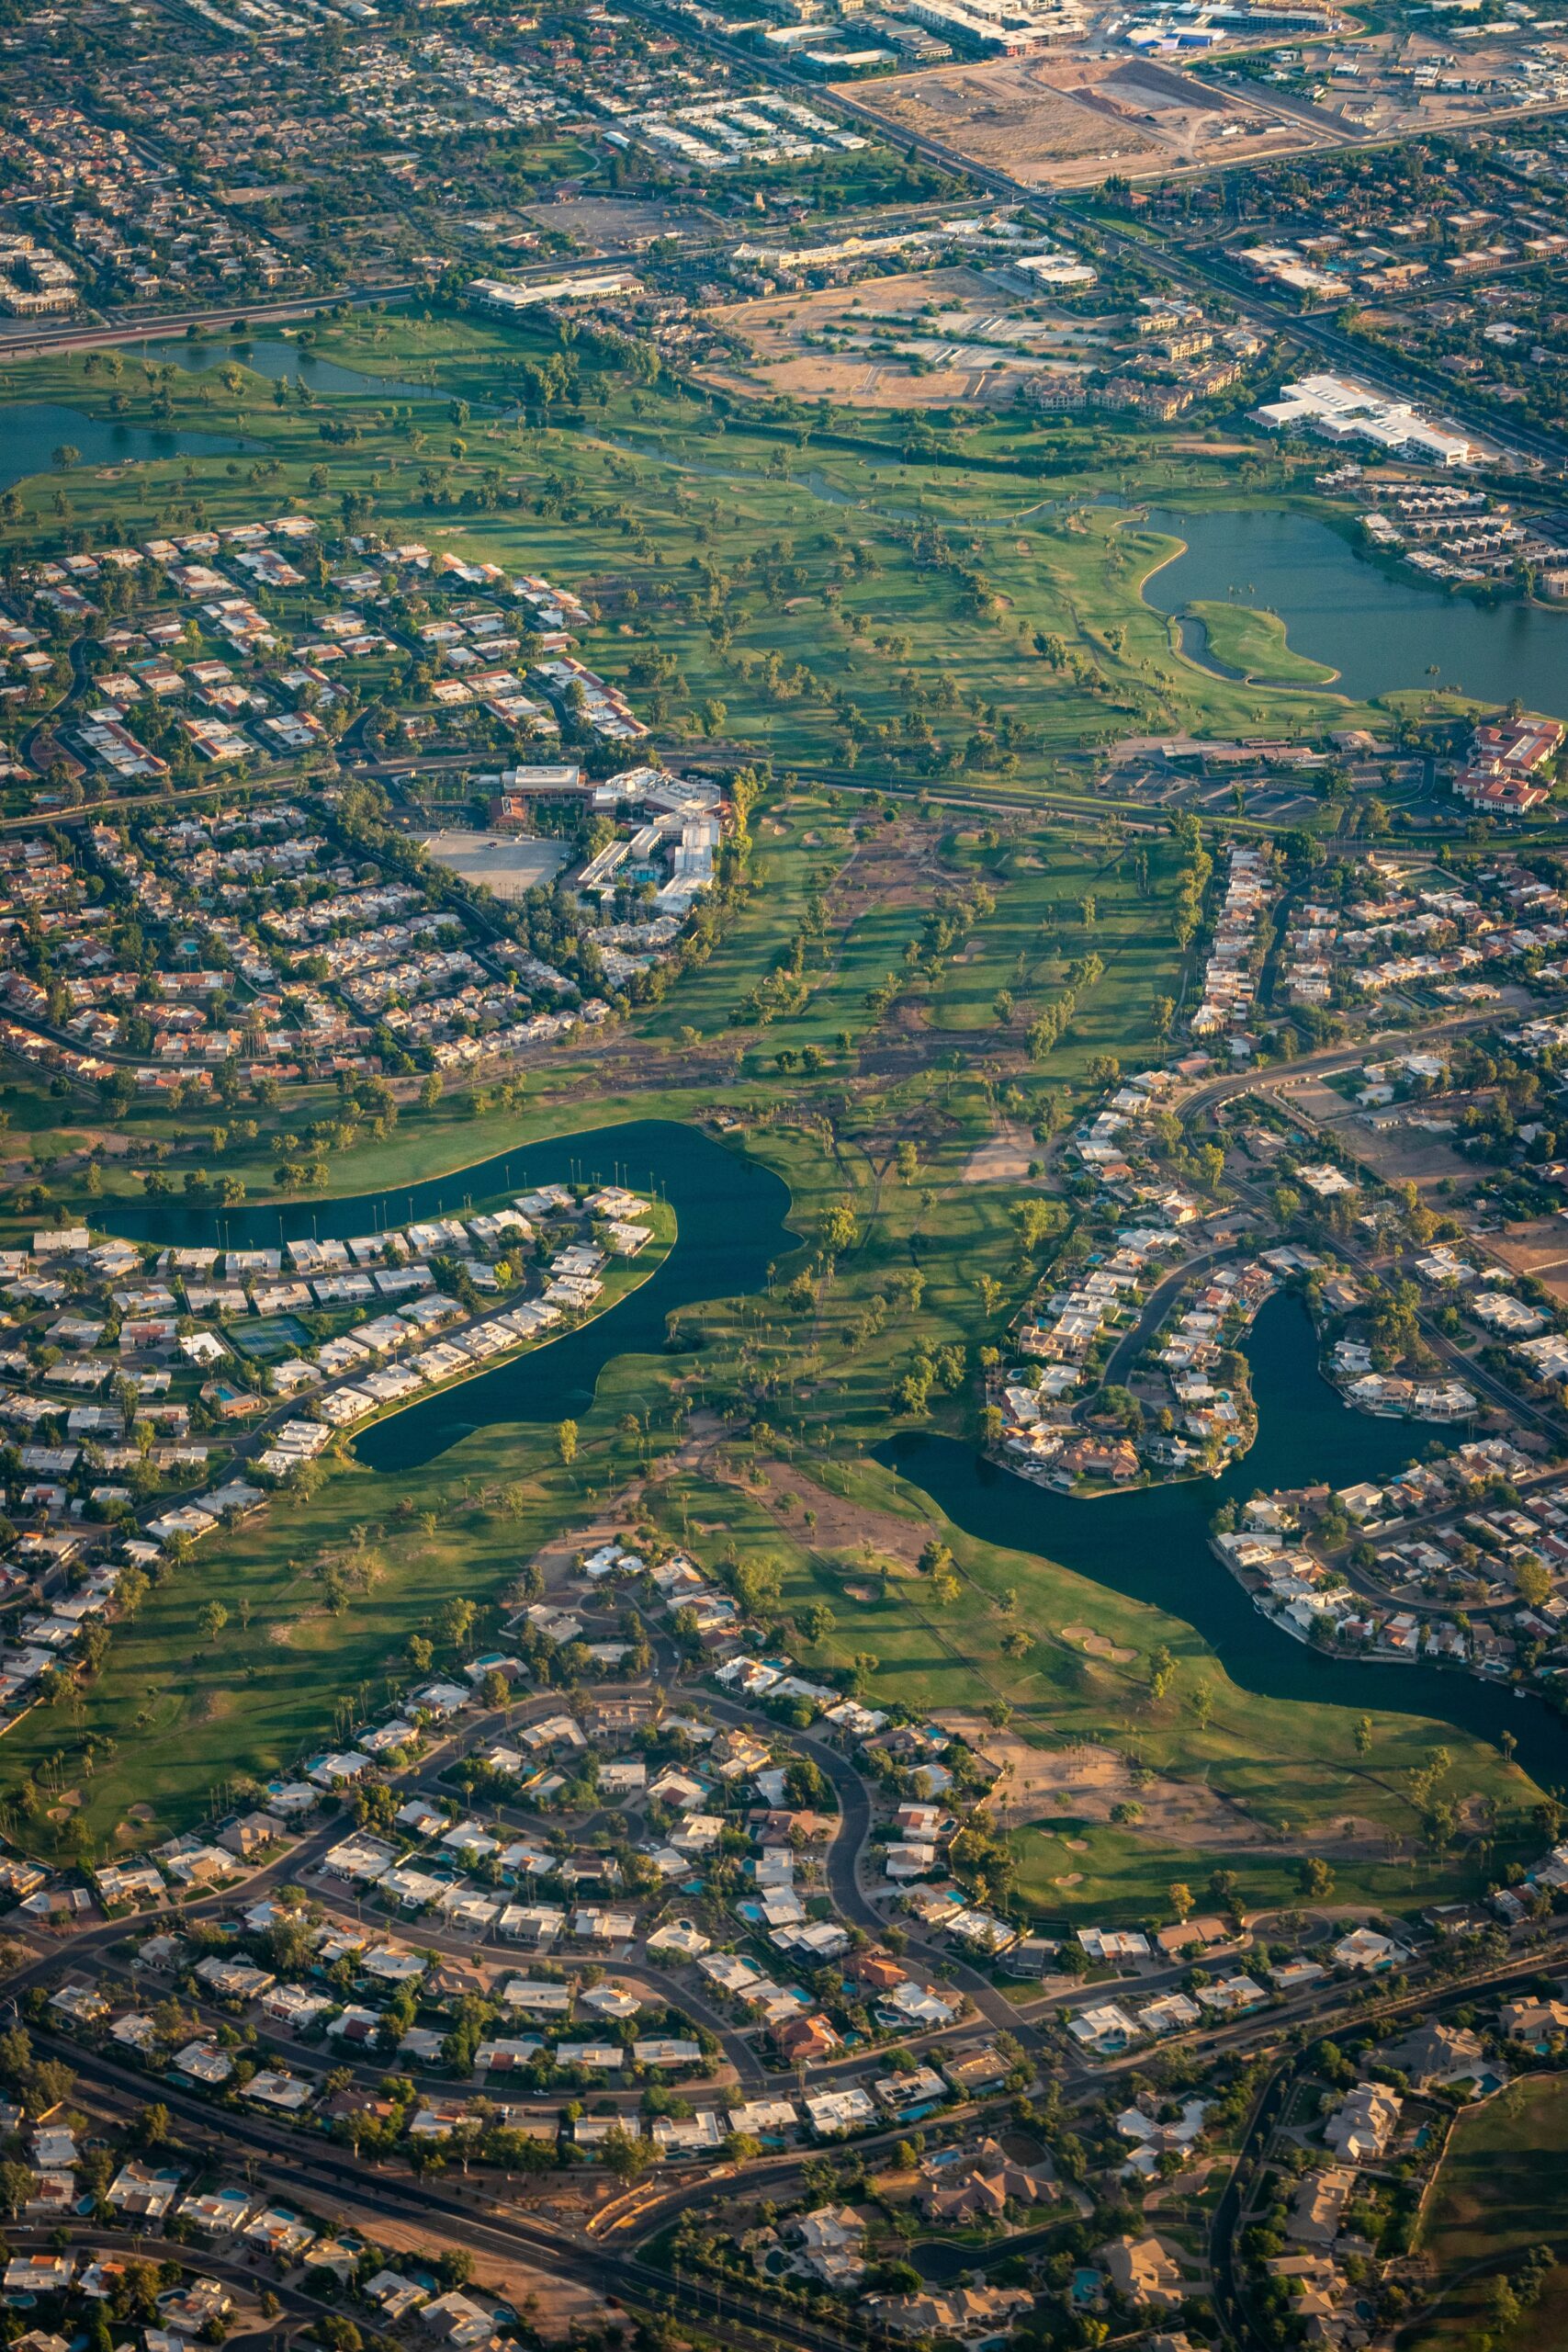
[[776, 327], [1011, 114], [1097, 1645], [1539, 1248], [1065, 122], [1038, 1786], [1006, 1158]]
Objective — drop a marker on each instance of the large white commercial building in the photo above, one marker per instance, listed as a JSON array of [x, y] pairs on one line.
[[1339, 410]]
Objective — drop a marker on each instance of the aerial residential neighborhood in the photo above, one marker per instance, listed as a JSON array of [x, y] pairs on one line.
[[783, 1286]]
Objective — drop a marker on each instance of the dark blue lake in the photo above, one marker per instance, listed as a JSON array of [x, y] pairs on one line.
[[1379, 628], [1153, 1544], [35, 429], [730, 1213]]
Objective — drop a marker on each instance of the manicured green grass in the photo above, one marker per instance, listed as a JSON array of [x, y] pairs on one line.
[[182, 1713], [1109, 1873], [1044, 884], [1255, 643], [648, 488], [1502, 2189], [1294, 1769]]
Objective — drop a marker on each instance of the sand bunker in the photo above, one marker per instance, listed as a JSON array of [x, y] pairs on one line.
[[1005, 1159], [1097, 1645]]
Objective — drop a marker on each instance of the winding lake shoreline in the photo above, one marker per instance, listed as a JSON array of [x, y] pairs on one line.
[[1382, 630], [730, 1215], [1153, 1545]]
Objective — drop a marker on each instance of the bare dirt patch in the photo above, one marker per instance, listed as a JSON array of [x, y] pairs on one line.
[[844, 1526], [1059, 121], [1393, 1149], [1010, 114], [559, 2308], [1038, 1785], [787, 355], [1540, 1249], [896, 866], [1005, 1159]]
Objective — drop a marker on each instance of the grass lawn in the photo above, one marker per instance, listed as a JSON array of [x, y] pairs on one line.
[[1502, 2189], [877, 892], [1294, 1769], [905, 590], [1085, 1870], [171, 1714], [1255, 643], [860, 574], [1042, 884]]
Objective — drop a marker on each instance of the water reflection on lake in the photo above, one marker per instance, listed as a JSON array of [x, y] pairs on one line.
[[281, 361], [35, 429], [729, 1215], [1153, 1545], [1380, 630]]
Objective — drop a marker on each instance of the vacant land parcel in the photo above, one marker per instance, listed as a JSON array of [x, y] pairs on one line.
[[1057, 124], [1012, 115], [920, 340]]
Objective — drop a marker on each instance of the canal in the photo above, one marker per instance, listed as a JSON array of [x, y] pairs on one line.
[[729, 1214], [731, 1211], [1380, 628]]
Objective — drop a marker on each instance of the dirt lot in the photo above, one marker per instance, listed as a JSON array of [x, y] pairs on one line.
[[1397, 1152], [1044, 1784], [1540, 1249], [777, 329], [845, 1527], [1055, 122], [1012, 115]]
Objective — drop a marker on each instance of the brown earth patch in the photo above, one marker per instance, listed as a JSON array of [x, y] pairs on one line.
[[1539, 1248], [1009, 113], [842, 1526], [1005, 1159], [1084, 1784], [1393, 1151]]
